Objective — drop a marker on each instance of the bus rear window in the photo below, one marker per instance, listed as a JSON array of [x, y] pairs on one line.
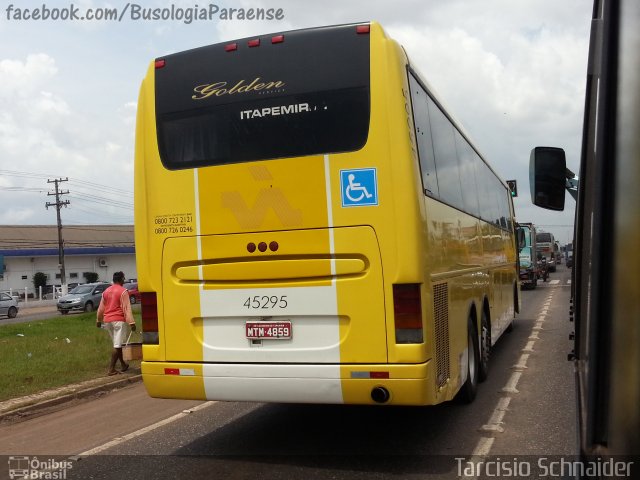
[[544, 237], [299, 125], [306, 96]]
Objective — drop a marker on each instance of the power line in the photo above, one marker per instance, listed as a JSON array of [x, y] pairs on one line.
[[76, 182], [97, 186], [23, 189], [102, 200], [13, 173]]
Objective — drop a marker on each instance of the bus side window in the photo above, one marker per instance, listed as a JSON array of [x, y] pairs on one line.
[[467, 175], [423, 137], [444, 147], [488, 208]]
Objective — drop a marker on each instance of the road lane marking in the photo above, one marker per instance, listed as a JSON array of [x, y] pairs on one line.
[[522, 363], [554, 282], [495, 422], [511, 385], [529, 346], [483, 447], [142, 431]]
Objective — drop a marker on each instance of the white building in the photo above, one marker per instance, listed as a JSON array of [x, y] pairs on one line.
[[27, 249]]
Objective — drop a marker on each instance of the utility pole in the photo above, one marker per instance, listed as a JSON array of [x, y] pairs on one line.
[[59, 204]]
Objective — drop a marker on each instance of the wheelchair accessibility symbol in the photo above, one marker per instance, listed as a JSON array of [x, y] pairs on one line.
[[359, 187]]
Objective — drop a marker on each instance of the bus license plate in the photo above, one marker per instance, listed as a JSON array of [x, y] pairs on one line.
[[265, 330]]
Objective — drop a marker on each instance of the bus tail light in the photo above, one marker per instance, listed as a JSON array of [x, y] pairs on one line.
[[160, 63], [149, 313], [254, 43], [231, 47], [277, 39], [407, 310], [363, 29]]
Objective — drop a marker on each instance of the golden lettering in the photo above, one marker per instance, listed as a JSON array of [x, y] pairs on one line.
[[277, 84], [218, 89], [206, 91], [246, 88]]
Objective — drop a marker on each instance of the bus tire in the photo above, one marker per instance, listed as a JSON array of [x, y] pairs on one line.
[[470, 388], [485, 346]]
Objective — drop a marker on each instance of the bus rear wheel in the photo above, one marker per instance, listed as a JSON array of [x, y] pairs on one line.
[[470, 388]]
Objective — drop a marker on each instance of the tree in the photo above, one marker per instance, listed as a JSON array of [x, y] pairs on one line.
[[39, 280], [91, 277]]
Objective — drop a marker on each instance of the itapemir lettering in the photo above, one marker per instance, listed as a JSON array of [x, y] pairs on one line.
[[274, 111]]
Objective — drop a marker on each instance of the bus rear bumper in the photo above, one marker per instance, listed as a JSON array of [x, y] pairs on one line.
[[334, 384]]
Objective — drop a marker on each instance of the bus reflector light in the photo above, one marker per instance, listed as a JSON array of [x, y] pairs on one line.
[[273, 246], [254, 43], [277, 39], [251, 247], [160, 63], [149, 314], [232, 47], [262, 246], [363, 29], [184, 372], [407, 309], [358, 374]]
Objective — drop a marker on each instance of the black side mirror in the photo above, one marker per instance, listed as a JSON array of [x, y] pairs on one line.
[[547, 177]]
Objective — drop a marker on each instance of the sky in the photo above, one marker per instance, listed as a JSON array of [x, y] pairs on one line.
[[513, 72]]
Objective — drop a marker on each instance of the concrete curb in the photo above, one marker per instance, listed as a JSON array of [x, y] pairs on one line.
[[23, 408]]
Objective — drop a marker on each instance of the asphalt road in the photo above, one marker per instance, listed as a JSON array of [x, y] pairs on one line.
[[30, 315], [526, 407]]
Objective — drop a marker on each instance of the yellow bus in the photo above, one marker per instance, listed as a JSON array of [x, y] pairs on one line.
[[313, 226]]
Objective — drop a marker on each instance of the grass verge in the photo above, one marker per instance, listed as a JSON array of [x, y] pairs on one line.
[[45, 354]]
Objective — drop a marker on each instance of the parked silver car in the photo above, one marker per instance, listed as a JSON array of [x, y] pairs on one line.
[[13, 294], [84, 297], [8, 305]]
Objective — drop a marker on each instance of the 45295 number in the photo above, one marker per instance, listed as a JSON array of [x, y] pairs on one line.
[[266, 302]]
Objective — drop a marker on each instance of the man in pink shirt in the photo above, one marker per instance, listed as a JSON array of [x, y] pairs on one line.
[[115, 312]]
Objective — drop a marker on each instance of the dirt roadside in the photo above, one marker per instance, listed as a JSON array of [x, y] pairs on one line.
[[22, 408]]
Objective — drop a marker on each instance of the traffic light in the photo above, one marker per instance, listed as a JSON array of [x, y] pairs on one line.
[[513, 187]]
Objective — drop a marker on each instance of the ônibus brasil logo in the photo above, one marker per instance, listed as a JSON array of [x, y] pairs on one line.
[[34, 468]]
